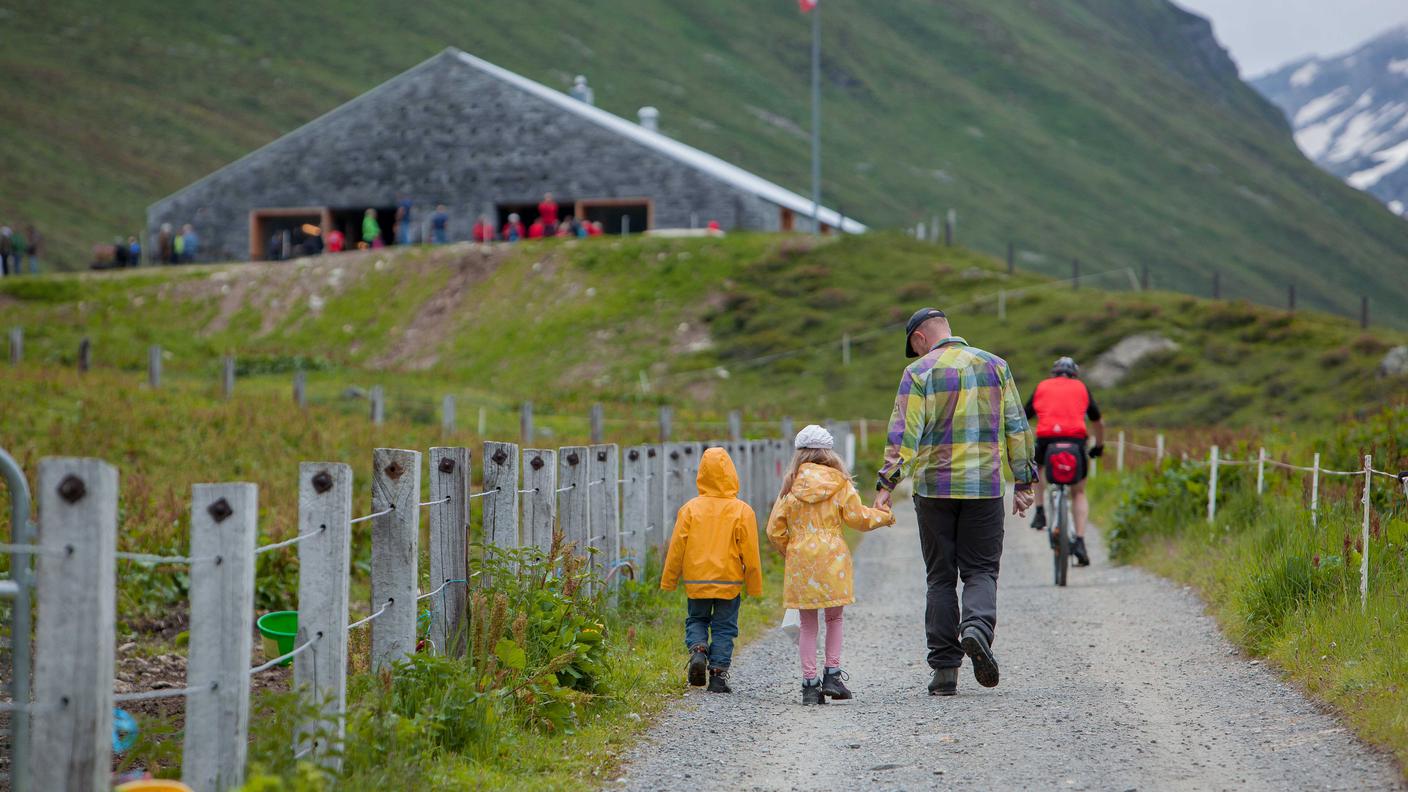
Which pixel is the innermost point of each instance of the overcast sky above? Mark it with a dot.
(1264, 34)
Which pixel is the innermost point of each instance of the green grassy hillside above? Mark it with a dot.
(753, 322)
(1110, 130)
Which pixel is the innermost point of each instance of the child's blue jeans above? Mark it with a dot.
(713, 623)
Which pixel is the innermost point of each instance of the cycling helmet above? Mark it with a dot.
(1065, 367)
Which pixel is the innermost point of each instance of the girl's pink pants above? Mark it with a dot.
(806, 642)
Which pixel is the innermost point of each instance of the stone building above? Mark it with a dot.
(459, 131)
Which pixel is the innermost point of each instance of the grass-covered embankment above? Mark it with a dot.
(1280, 588)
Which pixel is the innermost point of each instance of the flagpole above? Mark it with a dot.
(816, 118)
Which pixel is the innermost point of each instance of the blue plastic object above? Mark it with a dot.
(124, 730)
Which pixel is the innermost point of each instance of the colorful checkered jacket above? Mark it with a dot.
(958, 421)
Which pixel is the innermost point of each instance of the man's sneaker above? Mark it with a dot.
(698, 665)
(944, 682)
(811, 694)
(975, 645)
(1078, 550)
(718, 681)
(1039, 519)
(833, 684)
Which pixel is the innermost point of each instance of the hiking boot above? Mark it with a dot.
(1078, 550)
(975, 645)
(698, 665)
(811, 694)
(833, 684)
(718, 681)
(944, 682)
(1039, 519)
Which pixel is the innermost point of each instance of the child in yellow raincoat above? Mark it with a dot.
(817, 498)
(714, 548)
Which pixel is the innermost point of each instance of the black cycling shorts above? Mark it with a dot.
(1042, 443)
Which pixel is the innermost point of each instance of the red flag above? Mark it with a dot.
(807, 5)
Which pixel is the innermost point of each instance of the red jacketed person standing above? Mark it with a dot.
(547, 212)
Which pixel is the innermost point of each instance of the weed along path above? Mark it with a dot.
(1118, 682)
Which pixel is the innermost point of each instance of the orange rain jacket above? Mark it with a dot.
(715, 544)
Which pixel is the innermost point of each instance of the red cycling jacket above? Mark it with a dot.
(1061, 406)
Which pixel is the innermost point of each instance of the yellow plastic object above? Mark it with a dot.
(153, 785)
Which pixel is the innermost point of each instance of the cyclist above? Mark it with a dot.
(1061, 406)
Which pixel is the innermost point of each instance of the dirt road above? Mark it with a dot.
(1118, 682)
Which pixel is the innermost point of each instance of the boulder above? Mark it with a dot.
(1395, 363)
(1115, 364)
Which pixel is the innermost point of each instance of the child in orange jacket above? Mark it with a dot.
(714, 548)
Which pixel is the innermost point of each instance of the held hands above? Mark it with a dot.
(1022, 499)
(882, 500)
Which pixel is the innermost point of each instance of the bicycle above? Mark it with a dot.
(1064, 468)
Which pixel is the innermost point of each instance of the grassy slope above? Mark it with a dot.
(1088, 128)
(566, 324)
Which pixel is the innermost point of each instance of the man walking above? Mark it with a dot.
(957, 420)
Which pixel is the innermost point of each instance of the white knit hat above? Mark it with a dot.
(813, 436)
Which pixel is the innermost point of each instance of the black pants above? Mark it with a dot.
(959, 537)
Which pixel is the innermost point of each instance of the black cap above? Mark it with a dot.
(920, 317)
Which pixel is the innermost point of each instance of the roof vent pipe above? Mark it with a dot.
(649, 118)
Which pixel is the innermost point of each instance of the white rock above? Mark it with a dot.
(1113, 366)
(1395, 363)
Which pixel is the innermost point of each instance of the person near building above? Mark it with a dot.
(371, 230)
(440, 225)
(190, 243)
(513, 229)
(35, 241)
(547, 212)
(483, 231)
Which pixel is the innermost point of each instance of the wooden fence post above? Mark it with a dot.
(1260, 471)
(1364, 536)
(635, 500)
(572, 481)
(154, 366)
(604, 506)
(224, 525)
(227, 376)
(667, 417)
(324, 567)
(540, 500)
(1119, 453)
(656, 478)
(377, 397)
(1364, 312)
(596, 421)
(395, 551)
(864, 435)
(71, 738)
(1159, 450)
(449, 536)
(525, 423)
(85, 354)
(300, 388)
(501, 508)
(1212, 485)
(447, 418)
(16, 345)
(1315, 493)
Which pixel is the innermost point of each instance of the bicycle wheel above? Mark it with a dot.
(1062, 534)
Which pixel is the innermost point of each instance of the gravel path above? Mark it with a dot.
(1129, 687)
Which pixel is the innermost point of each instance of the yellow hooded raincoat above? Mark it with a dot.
(806, 528)
(715, 544)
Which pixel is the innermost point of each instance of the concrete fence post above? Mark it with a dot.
(377, 396)
(85, 354)
(572, 481)
(1159, 450)
(788, 434)
(324, 567)
(635, 500)
(500, 521)
(224, 526)
(667, 417)
(154, 366)
(540, 499)
(1315, 493)
(676, 470)
(864, 435)
(447, 416)
(1212, 484)
(597, 418)
(16, 345)
(1364, 535)
(300, 388)
(525, 423)
(71, 738)
(735, 425)
(1119, 453)
(449, 473)
(1260, 471)
(604, 506)
(655, 466)
(395, 551)
(227, 376)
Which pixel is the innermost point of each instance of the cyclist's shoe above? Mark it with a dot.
(975, 645)
(698, 665)
(1078, 550)
(944, 682)
(833, 684)
(811, 694)
(718, 681)
(1039, 519)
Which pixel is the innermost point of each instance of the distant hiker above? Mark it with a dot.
(371, 230)
(536, 230)
(7, 249)
(817, 498)
(713, 228)
(1061, 406)
(547, 212)
(402, 223)
(483, 230)
(119, 253)
(513, 229)
(440, 225)
(275, 251)
(336, 240)
(178, 248)
(595, 228)
(35, 242)
(714, 548)
(164, 249)
(190, 243)
(581, 91)
(957, 419)
(17, 251)
(134, 252)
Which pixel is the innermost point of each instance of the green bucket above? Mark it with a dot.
(279, 629)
